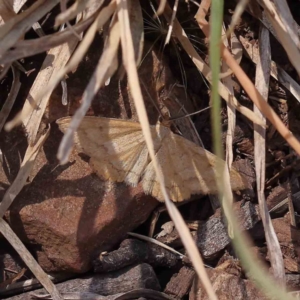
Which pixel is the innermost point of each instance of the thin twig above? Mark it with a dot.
(156, 242)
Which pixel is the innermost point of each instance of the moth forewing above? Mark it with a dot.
(119, 153)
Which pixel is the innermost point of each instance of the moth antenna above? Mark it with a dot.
(153, 102)
(191, 114)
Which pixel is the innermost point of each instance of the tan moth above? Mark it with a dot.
(119, 153)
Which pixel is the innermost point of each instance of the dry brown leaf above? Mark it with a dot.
(119, 153)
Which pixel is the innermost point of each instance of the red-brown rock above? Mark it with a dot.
(226, 286)
(67, 214)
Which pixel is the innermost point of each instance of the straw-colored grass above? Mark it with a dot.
(116, 16)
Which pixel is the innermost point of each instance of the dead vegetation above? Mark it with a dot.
(152, 63)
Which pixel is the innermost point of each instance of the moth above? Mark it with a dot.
(118, 152)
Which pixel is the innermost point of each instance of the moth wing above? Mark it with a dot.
(118, 152)
(187, 169)
(207, 160)
(117, 147)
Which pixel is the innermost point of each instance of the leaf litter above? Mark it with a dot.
(108, 64)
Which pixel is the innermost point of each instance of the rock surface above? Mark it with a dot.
(289, 240)
(180, 283)
(133, 251)
(211, 236)
(12, 267)
(67, 214)
(138, 277)
(226, 287)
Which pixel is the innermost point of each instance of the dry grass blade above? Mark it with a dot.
(170, 29)
(133, 294)
(55, 59)
(20, 286)
(27, 48)
(11, 31)
(101, 19)
(161, 7)
(7, 106)
(13, 279)
(17, 4)
(70, 296)
(281, 32)
(263, 71)
(29, 260)
(230, 112)
(156, 242)
(63, 8)
(254, 95)
(32, 117)
(23, 173)
(203, 8)
(6, 11)
(291, 204)
(3, 70)
(130, 66)
(137, 28)
(103, 16)
(237, 52)
(205, 70)
(287, 19)
(106, 67)
(71, 12)
(286, 80)
(236, 48)
(276, 71)
(236, 15)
